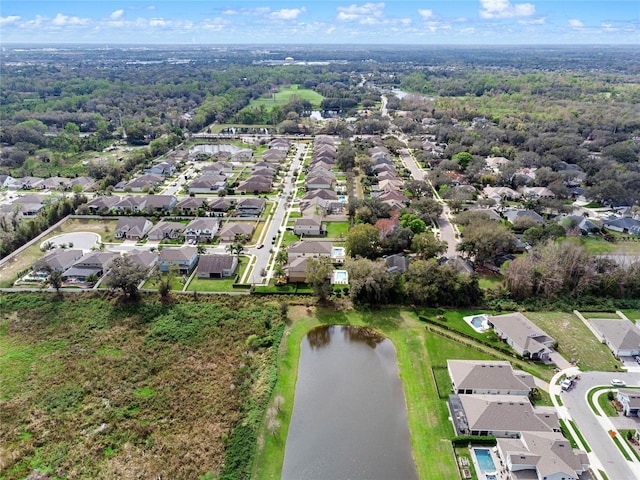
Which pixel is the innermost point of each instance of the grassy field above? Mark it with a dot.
(610, 315)
(599, 246)
(20, 262)
(632, 314)
(336, 229)
(91, 388)
(575, 340)
(283, 96)
(416, 350)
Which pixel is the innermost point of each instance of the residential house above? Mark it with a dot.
(59, 259)
(166, 230)
(315, 182)
(25, 206)
(254, 186)
(218, 168)
(296, 270)
(103, 203)
(275, 156)
(309, 249)
(621, 336)
(131, 203)
(202, 229)
(521, 334)
(514, 215)
(186, 258)
(208, 184)
(630, 401)
(323, 164)
(232, 230)
(577, 221)
(384, 167)
(217, 266)
(542, 456)
(159, 203)
(132, 228)
(623, 225)
(87, 183)
(166, 168)
(6, 180)
(308, 226)
(537, 192)
(220, 205)
(488, 377)
(56, 183)
(144, 182)
(250, 207)
(93, 263)
(394, 184)
(502, 416)
(144, 258)
(31, 183)
(280, 143)
(500, 193)
(244, 155)
(323, 193)
(397, 263)
(191, 205)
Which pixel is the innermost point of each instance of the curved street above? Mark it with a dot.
(595, 429)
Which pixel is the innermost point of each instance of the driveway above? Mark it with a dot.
(594, 428)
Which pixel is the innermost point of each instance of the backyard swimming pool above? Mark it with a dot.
(485, 463)
(478, 322)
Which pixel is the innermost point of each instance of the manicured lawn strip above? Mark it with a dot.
(611, 315)
(632, 447)
(427, 414)
(567, 433)
(616, 440)
(590, 398)
(336, 229)
(603, 475)
(586, 446)
(295, 215)
(575, 340)
(176, 283)
(605, 405)
(537, 369)
(463, 452)
(632, 314)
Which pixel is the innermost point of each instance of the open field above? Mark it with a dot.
(599, 246)
(575, 340)
(283, 96)
(95, 389)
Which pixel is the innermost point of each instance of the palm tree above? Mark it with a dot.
(281, 257)
(235, 248)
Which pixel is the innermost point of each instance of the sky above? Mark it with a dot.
(448, 22)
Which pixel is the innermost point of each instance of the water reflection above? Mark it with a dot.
(321, 336)
(349, 416)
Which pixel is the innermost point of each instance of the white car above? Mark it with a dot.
(618, 383)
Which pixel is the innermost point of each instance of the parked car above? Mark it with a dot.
(566, 384)
(260, 246)
(618, 383)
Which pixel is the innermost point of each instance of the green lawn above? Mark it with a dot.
(575, 340)
(337, 229)
(599, 246)
(606, 406)
(427, 413)
(611, 315)
(283, 96)
(632, 314)
(218, 285)
(490, 281)
(176, 283)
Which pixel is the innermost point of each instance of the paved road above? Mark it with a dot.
(594, 429)
(272, 228)
(448, 231)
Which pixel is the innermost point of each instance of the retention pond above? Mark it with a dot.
(349, 417)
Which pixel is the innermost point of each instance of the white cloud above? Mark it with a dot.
(425, 14)
(258, 11)
(62, 20)
(534, 21)
(117, 14)
(505, 9)
(575, 23)
(9, 19)
(367, 13)
(159, 22)
(287, 13)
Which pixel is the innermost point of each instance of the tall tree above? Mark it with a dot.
(370, 282)
(484, 240)
(319, 277)
(363, 240)
(126, 275)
